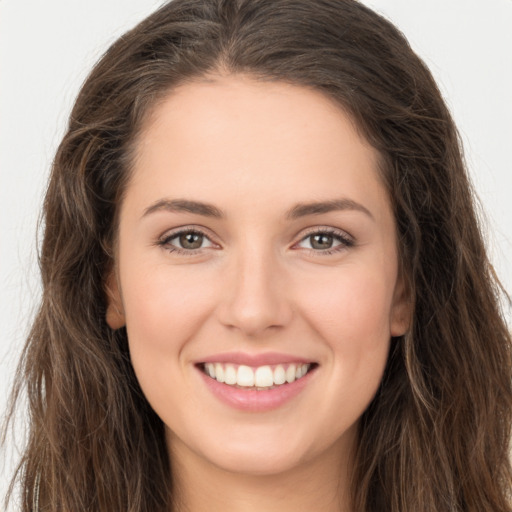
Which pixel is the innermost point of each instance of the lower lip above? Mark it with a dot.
(252, 400)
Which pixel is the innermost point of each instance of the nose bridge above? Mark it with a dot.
(256, 297)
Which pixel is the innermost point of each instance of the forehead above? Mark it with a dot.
(271, 138)
(217, 102)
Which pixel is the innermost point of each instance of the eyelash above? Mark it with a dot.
(340, 236)
(166, 239)
(345, 241)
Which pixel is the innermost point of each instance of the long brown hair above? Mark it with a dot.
(436, 436)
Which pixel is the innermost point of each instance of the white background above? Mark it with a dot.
(48, 47)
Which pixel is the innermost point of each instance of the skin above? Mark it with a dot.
(258, 284)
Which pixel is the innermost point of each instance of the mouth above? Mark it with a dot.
(260, 378)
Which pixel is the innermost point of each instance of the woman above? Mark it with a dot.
(264, 285)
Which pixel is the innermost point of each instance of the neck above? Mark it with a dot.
(321, 484)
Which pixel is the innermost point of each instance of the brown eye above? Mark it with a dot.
(326, 241)
(321, 241)
(191, 240)
(186, 242)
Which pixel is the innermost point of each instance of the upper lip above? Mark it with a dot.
(254, 360)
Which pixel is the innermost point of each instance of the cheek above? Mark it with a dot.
(355, 302)
(163, 311)
(351, 313)
(353, 321)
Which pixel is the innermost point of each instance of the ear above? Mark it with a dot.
(115, 312)
(401, 310)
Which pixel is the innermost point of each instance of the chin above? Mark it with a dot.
(253, 451)
(256, 462)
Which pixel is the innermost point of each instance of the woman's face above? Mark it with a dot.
(256, 241)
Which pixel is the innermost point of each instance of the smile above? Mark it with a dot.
(256, 382)
(261, 378)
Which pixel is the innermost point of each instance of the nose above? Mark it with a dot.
(255, 297)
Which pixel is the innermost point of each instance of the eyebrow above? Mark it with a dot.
(298, 211)
(317, 208)
(184, 205)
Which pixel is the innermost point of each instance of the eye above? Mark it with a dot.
(186, 241)
(326, 241)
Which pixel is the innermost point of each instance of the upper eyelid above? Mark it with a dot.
(173, 233)
(206, 231)
(326, 229)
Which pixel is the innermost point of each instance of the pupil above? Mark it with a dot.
(322, 241)
(191, 241)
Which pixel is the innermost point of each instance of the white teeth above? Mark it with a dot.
(230, 374)
(290, 373)
(245, 376)
(219, 372)
(279, 375)
(210, 369)
(261, 377)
